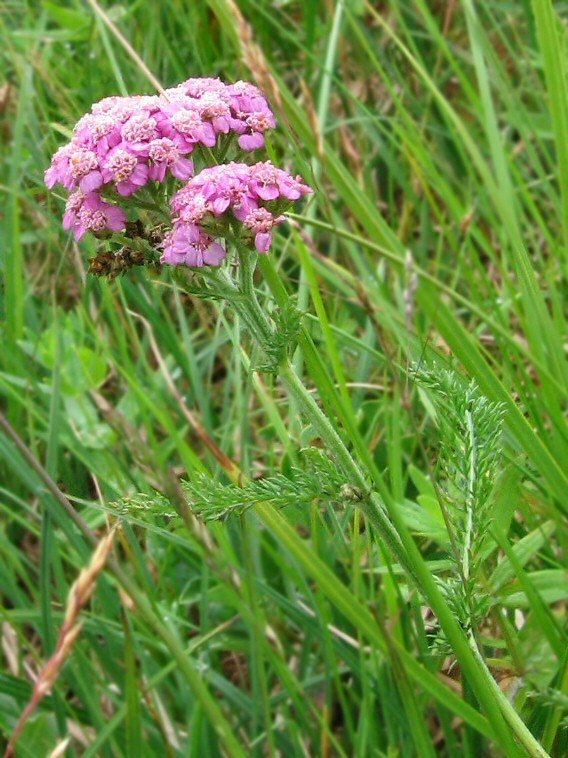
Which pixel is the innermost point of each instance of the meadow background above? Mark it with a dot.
(435, 135)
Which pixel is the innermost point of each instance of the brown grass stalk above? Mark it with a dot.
(79, 594)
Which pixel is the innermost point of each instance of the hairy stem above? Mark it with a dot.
(518, 726)
(387, 520)
(254, 313)
(369, 503)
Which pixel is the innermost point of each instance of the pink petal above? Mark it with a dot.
(140, 175)
(262, 241)
(182, 169)
(116, 220)
(251, 141)
(92, 181)
(157, 172)
(220, 205)
(126, 187)
(214, 254)
(238, 126)
(207, 135)
(242, 210)
(267, 192)
(191, 232)
(221, 124)
(193, 257)
(50, 177)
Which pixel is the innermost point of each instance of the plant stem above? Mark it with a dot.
(470, 499)
(254, 312)
(518, 726)
(369, 503)
(384, 514)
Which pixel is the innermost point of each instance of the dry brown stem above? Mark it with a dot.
(78, 596)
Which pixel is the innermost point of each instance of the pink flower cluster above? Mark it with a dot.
(124, 142)
(89, 212)
(248, 192)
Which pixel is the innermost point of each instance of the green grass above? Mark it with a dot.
(435, 137)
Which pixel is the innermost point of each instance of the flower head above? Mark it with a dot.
(245, 192)
(183, 119)
(124, 142)
(98, 132)
(188, 245)
(237, 187)
(252, 114)
(88, 212)
(270, 182)
(165, 153)
(261, 221)
(126, 170)
(141, 127)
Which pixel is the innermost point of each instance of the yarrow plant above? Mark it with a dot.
(127, 149)
(169, 177)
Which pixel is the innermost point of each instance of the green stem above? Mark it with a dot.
(250, 304)
(518, 726)
(369, 503)
(400, 543)
(250, 310)
(385, 516)
(470, 500)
